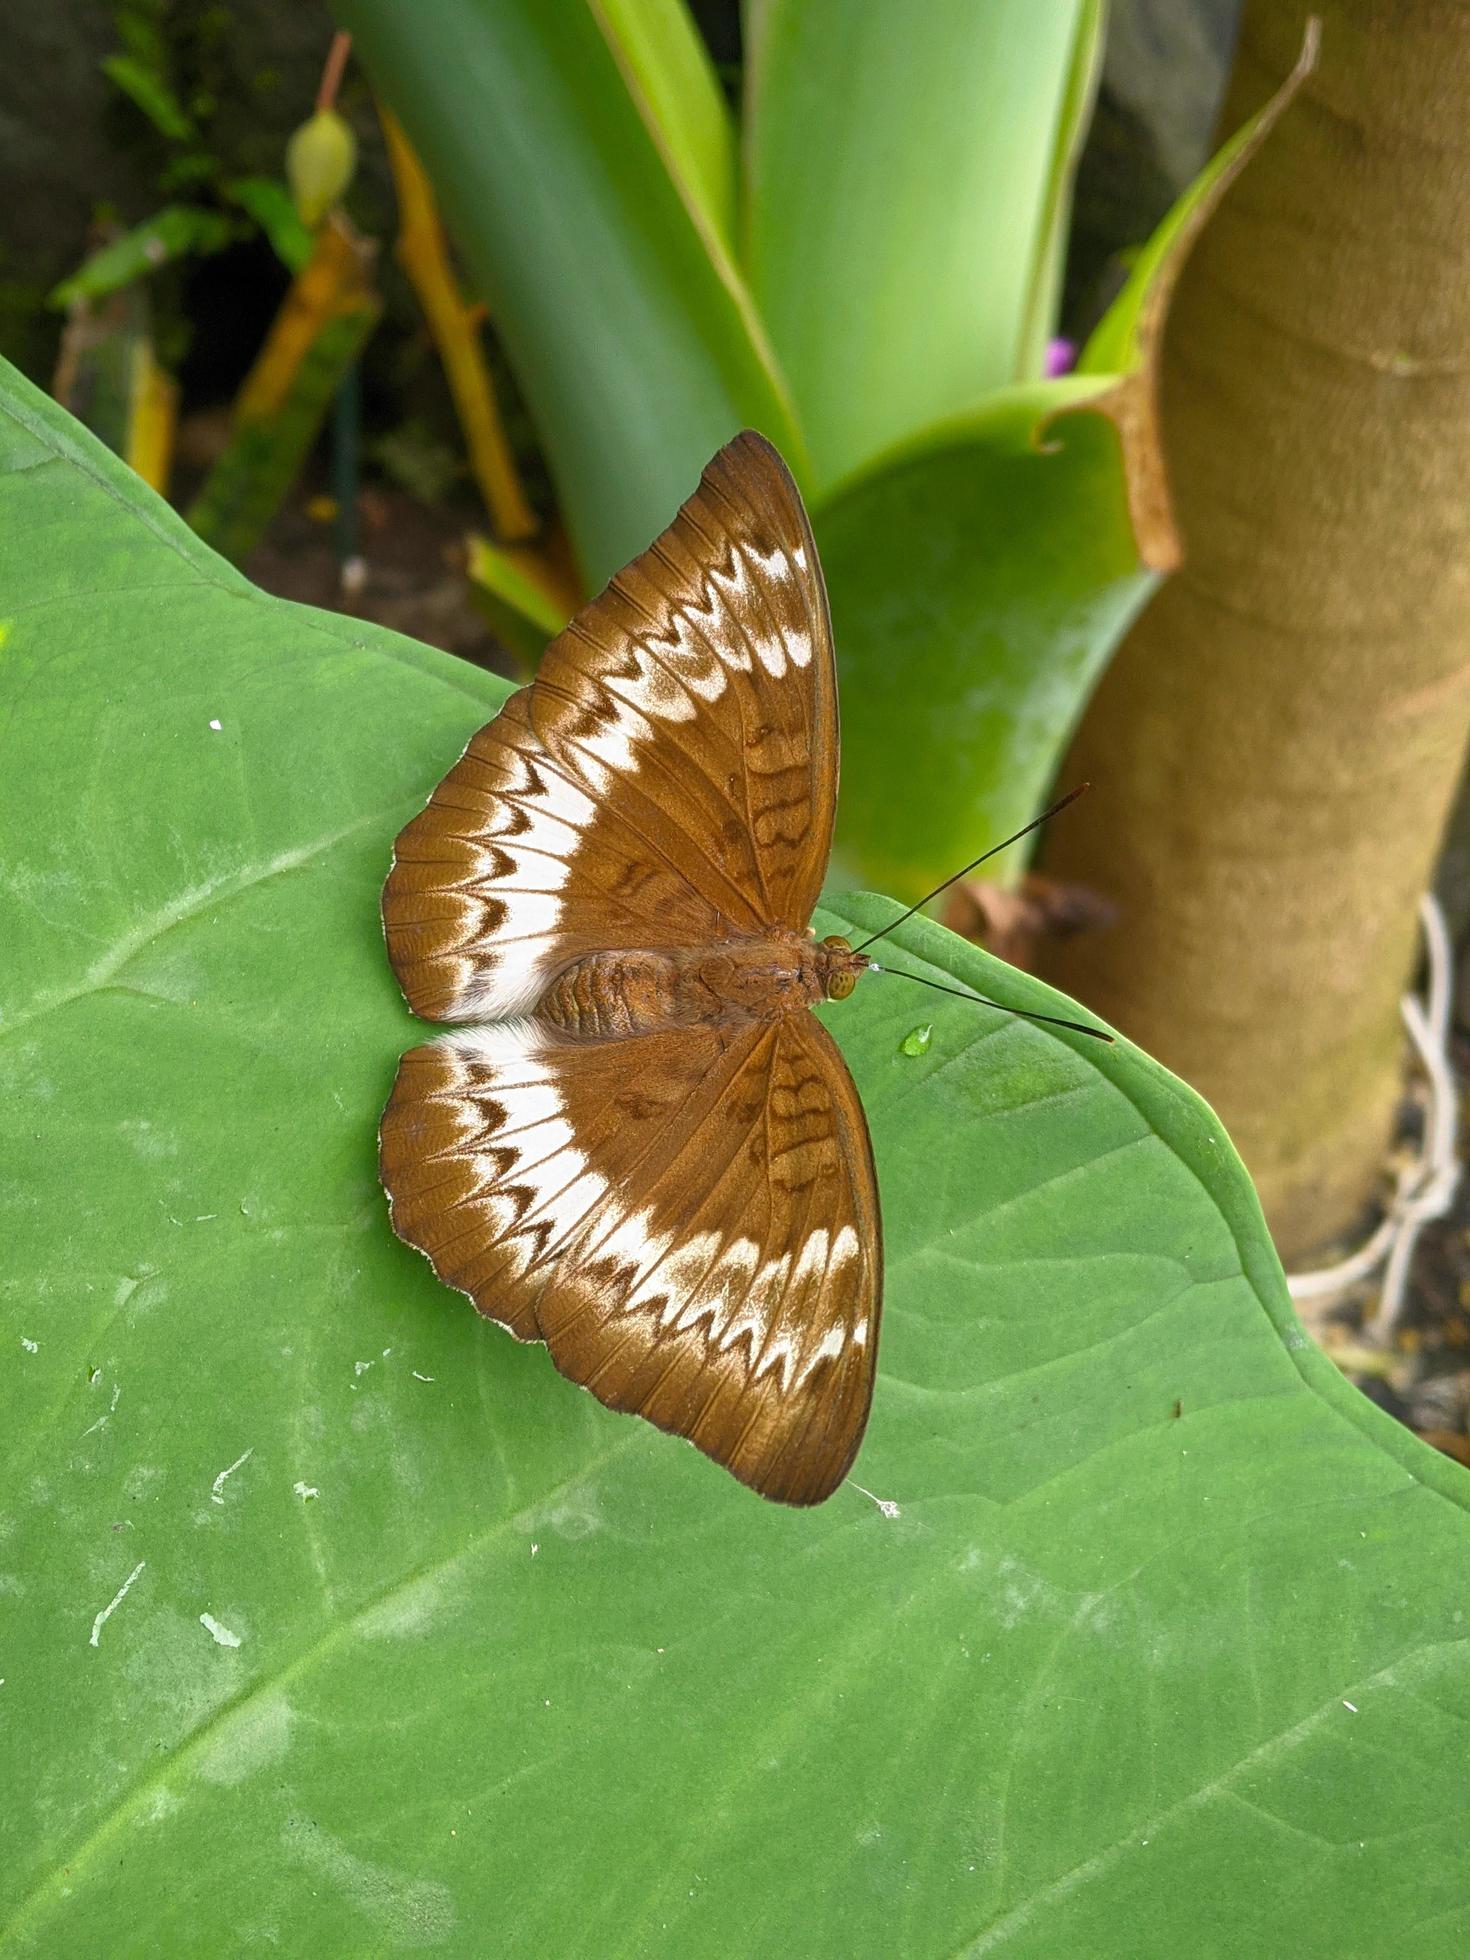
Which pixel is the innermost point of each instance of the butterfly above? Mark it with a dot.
(638, 1145)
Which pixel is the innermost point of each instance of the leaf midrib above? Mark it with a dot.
(1103, 1861)
(187, 1752)
(182, 912)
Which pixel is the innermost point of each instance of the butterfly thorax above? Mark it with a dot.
(749, 977)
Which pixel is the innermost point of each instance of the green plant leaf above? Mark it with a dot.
(669, 74)
(333, 1621)
(627, 323)
(1039, 322)
(173, 233)
(268, 201)
(148, 88)
(892, 307)
(982, 572)
(978, 578)
(524, 615)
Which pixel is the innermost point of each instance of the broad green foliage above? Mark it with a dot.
(606, 271)
(977, 580)
(890, 282)
(668, 74)
(331, 1621)
(895, 266)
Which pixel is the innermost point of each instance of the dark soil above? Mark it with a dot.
(412, 560)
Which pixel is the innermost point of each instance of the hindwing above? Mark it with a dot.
(688, 1220)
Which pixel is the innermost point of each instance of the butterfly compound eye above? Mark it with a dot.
(838, 983)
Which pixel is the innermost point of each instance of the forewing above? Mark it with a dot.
(689, 1221)
(669, 777)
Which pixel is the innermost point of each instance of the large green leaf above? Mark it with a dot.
(1072, 123)
(587, 216)
(333, 1622)
(667, 69)
(978, 578)
(903, 188)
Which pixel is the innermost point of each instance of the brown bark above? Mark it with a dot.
(1276, 746)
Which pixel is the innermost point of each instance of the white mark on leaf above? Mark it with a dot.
(885, 1504)
(146, 1139)
(220, 1635)
(117, 1599)
(141, 1478)
(128, 1285)
(216, 1489)
(107, 1413)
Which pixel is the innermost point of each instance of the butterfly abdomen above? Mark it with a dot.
(612, 994)
(608, 995)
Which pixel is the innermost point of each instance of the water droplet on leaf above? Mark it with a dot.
(916, 1041)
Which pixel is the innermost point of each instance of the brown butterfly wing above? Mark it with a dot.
(668, 779)
(689, 1220)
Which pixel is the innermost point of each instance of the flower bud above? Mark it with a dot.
(320, 159)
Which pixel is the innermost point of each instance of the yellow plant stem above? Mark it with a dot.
(310, 348)
(423, 253)
(153, 420)
(335, 282)
(527, 596)
(108, 375)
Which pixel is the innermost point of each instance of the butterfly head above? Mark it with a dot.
(839, 967)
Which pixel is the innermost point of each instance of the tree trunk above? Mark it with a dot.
(1277, 743)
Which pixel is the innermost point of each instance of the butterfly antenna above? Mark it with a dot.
(1052, 1020)
(964, 872)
